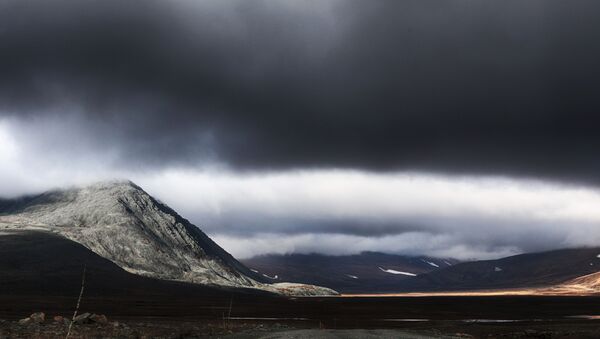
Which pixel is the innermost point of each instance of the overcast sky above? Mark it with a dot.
(464, 128)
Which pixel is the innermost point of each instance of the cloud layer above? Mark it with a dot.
(338, 211)
(463, 128)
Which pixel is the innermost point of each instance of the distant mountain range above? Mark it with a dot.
(372, 272)
(368, 271)
(525, 270)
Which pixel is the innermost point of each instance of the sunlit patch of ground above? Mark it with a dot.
(587, 285)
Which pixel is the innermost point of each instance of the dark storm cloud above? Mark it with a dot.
(500, 87)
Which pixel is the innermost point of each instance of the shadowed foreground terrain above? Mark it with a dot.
(42, 272)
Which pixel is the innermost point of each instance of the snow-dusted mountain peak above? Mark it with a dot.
(120, 221)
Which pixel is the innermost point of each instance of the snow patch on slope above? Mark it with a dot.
(397, 272)
(430, 263)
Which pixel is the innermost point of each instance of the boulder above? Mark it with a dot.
(99, 318)
(25, 321)
(83, 318)
(38, 317)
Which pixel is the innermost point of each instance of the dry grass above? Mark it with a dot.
(78, 302)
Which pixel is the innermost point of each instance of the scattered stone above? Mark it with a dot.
(25, 321)
(83, 318)
(38, 317)
(99, 318)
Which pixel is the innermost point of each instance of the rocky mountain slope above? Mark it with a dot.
(42, 271)
(367, 272)
(120, 222)
(43, 263)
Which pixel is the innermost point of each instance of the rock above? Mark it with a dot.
(99, 318)
(38, 317)
(83, 318)
(25, 321)
(59, 319)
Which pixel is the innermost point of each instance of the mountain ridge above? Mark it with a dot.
(121, 222)
(569, 271)
(368, 271)
(527, 270)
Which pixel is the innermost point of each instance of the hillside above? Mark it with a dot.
(121, 222)
(526, 270)
(366, 272)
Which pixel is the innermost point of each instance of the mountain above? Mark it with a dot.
(367, 272)
(525, 270)
(566, 271)
(43, 271)
(121, 222)
(53, 266)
